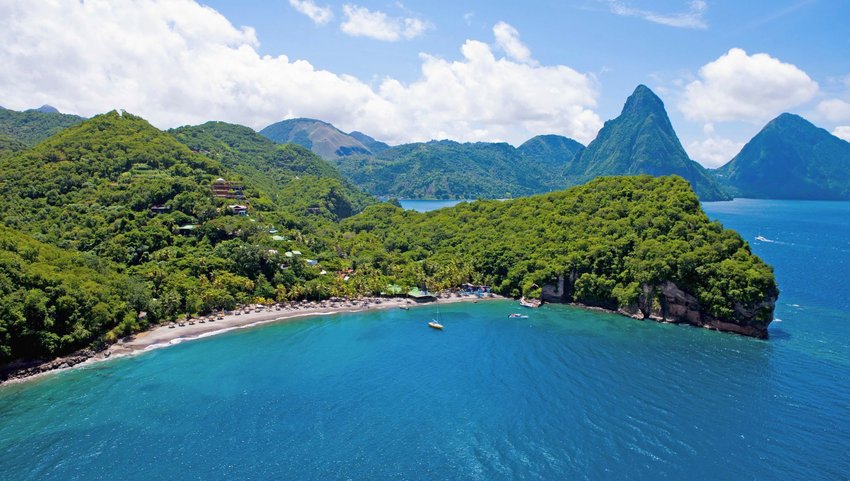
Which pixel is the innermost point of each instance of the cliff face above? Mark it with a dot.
(677, 306)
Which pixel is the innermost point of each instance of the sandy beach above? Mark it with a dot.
(173, 333)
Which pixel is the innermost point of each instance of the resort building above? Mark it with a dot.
(227, 190)
(238, 209)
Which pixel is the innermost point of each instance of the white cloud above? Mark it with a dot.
(843, 132)
(482, 97)
(713, 151)
(834, 110)
(507, 38)
(176, 62)
(319, 15)
(362, 22)
(691, 18)
(738, 86)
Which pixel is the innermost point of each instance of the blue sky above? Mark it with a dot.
(417, 70)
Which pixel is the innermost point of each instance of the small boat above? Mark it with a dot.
(405, 308)
(518, 316)
(762, 238)
(435, 325)
(529, 302)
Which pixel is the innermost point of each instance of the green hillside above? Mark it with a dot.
(294, 178)
(54, 301)
(117, 188)
(554, 151)
(31, 126)
(790, 159)
(113, 217)
(451, 170)
(641, 141)
(620, 243)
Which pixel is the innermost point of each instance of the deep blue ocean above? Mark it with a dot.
(565, 394)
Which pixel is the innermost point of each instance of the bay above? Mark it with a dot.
(564, 394)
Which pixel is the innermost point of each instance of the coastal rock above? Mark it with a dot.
(679, 307)
(22, 369)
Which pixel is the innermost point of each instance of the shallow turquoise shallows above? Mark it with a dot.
(565, 394)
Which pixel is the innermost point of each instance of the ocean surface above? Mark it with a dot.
(427, 205)
(566, 394)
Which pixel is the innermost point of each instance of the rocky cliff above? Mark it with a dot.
(669, 303)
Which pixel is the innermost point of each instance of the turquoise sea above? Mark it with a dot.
(428, 205)
(566, 394)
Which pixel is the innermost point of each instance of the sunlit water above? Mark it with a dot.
(428, 205)
(564, 394)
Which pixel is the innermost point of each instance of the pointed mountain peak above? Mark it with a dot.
(641, 141)
(642, 101)
(791, 158)
(790, 120)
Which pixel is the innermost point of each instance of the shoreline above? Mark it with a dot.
(163, 335)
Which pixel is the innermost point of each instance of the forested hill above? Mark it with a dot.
(640, 244)
(295, 179)
(117, 195)
(54, 301)
(142, 230)
(450, 170)
(790, 159)
(325, 140)
(19, 130)
(641, 141)
(554, 151)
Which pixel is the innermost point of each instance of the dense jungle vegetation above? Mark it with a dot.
(112, 218)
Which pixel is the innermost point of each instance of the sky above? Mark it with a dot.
(415, 70)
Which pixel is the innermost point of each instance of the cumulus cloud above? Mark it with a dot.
(843, 132)
(713, 151)
(507, 39)
(738, 86)
(319, 15)
(692, 17)
(482, 97)
(362, 22)
(834, 110)
(177, 62)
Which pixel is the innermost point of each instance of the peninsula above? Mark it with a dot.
(112, 226)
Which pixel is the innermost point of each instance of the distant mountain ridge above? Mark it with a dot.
(325, 140)
(790, 158)
(19, 130)
(447, 169)
(376, 146)
(641, 140)
(551, 150)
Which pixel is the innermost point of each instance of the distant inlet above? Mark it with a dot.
(428, 205)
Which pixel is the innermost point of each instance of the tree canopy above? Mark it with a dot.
(113, 217)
